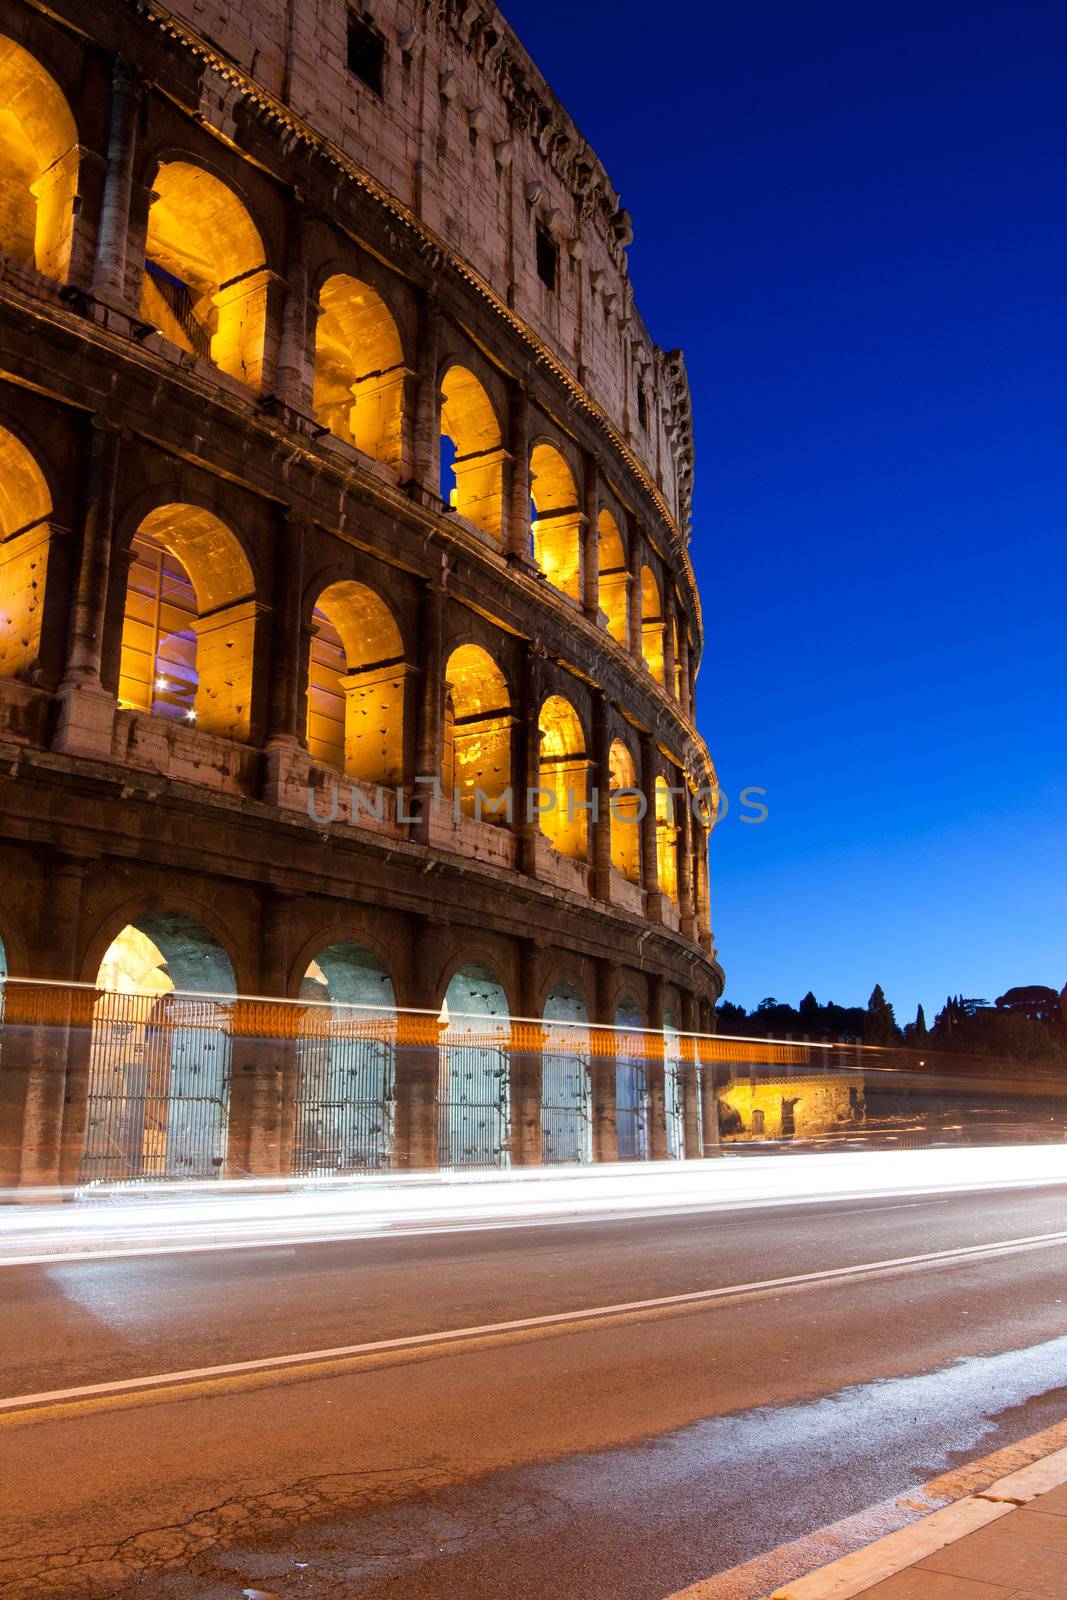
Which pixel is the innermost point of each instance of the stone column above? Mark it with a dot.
(56, 1096)
(86, 709)
(709, 1090)
(683, 665)
(590, 538)
(112, 243)
(518, 512)
(670, 682)
(686, 906)
(431, 706)
(691, 1089)
(526, 1060)
(604, 1066)
(649, 855)
(601, 782)
(657, 1095)
(417, 1057)
(295, 378)
(286, 720)
(526, 757)
(424, 450)
(635, 547)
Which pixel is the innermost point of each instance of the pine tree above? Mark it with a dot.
(920, 1023)
(880, 1025)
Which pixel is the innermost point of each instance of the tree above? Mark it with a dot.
(811, 1016)
(920, 1024)
(880, 1025)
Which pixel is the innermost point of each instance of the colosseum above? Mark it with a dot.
(349, 626)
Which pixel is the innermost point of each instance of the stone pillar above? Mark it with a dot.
(518, 512)
(526, 757)
(604, 1067)
(417, 1057)
(424, 451)
(289, 639)
(112, 243)
(431, 705)
(635, 547)
(657, 1095)
(691, 1090)
(686, 907)
(683, 667)
(590, 538)
(527, 1060)
(649, 856)
(670, 682)
(56, 1097)
(601, 784)
(86, 709)
(295, 378)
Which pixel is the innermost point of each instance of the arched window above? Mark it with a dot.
(159, 1058)
(614, 587)
(477, 744)
(472, 461)
(25, 539)
(631, 1082)
(474, 1080)
(564, 772)
(38, 165)
(346, 1066)
(189, 624)
(356, 686)
(359, 369)
(666, 840)
(205, 281)
(651, 624)
(625, 813)
(557, 523)
(566, 1092)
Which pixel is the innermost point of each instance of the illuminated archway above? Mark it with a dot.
(38, 165)
(189, 623)
(614, 582)
(556, 527)
(472, 457)
(205, 280)
(346, 1064)
(355, 714)
(651, 624)
(666, 840)
(25, 540)
(474, 1083)
(631, 1082)
(564, 772)
(477, 743)
(359, 369)
(566, 1091)
(625, 813)
(159, 1059)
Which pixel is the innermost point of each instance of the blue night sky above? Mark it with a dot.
(850, 214)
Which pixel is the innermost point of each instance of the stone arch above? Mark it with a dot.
(205, 280)
(474, 1078)
(666, 839)
(566, 1082)
(472, 455)
(356, 678)
(651, 624)
(188, 626)
(563, 771)
(631, 1081)
(39, 156)
(477, 742)
(626, 807)
(25, 542)
(346, 1063)
(557, 521)
(160, 1054)
(614, 578)
(359, 369)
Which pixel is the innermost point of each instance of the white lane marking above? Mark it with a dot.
(555, 1319)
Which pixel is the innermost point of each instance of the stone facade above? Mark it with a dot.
(285, 360)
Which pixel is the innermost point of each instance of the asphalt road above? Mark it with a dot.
(625, 1456)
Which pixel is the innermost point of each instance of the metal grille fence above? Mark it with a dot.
(474, 1096)
(346, 1076)
(566, 1097)
(159, 1087)
(631, 1098)
(674, 1103)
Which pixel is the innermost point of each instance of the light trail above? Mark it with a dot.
(158, 1219)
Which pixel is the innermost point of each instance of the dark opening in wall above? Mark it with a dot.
(642, 406)
(547, 257)
(366, 51)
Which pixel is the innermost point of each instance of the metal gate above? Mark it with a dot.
(474, 1095)
(159, 1088)
(346, 1075)
(673, 1094)
(566, 1097)
(631, 1098)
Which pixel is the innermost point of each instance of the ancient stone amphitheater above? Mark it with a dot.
(348, 629)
